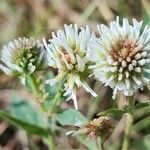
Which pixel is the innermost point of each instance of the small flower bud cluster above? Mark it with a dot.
(101, 126)
(21, 57)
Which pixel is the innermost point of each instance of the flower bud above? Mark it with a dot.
(22, 57)
(101, 126)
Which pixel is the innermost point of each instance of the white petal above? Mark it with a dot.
(74, 99)
(88, 89)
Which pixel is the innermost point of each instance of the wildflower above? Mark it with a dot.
(122, 56)
(67, 52)
(98, 127)
(22, 57)
(101, 126)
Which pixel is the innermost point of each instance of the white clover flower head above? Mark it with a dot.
(67, 52)
(122, 56)
(22, 57)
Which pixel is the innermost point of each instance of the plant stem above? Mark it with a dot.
(102, 145)
(131, 103)
(34, 86)
(50, 142)
(56, 101)
(38, 93)
(129, 122)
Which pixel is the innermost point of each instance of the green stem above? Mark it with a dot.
(50, 142)
(38, 93)
(56, 102)
(35, 86)
(131, 103)
(94, 102)
(44, 109)
(129, 122)
(102, 145)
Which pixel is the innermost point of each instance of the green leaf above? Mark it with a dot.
(140, 105)
(71, 117)
(50, 89)
(24, 114)
(112, 111)
(140, 112)
(30, 128)
(143, 123)
(25, 110)
(55, 94)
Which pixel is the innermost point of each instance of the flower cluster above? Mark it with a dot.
(67, 51)
(119, 57)
(122, 56)
(22, 57)
(101, 126)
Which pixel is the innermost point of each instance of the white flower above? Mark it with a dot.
(22, 57)
(122, 56)
(67, 52)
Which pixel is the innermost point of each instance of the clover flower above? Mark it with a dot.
(22, 57)
(122, 56)
(67, 52)
(101, 126)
